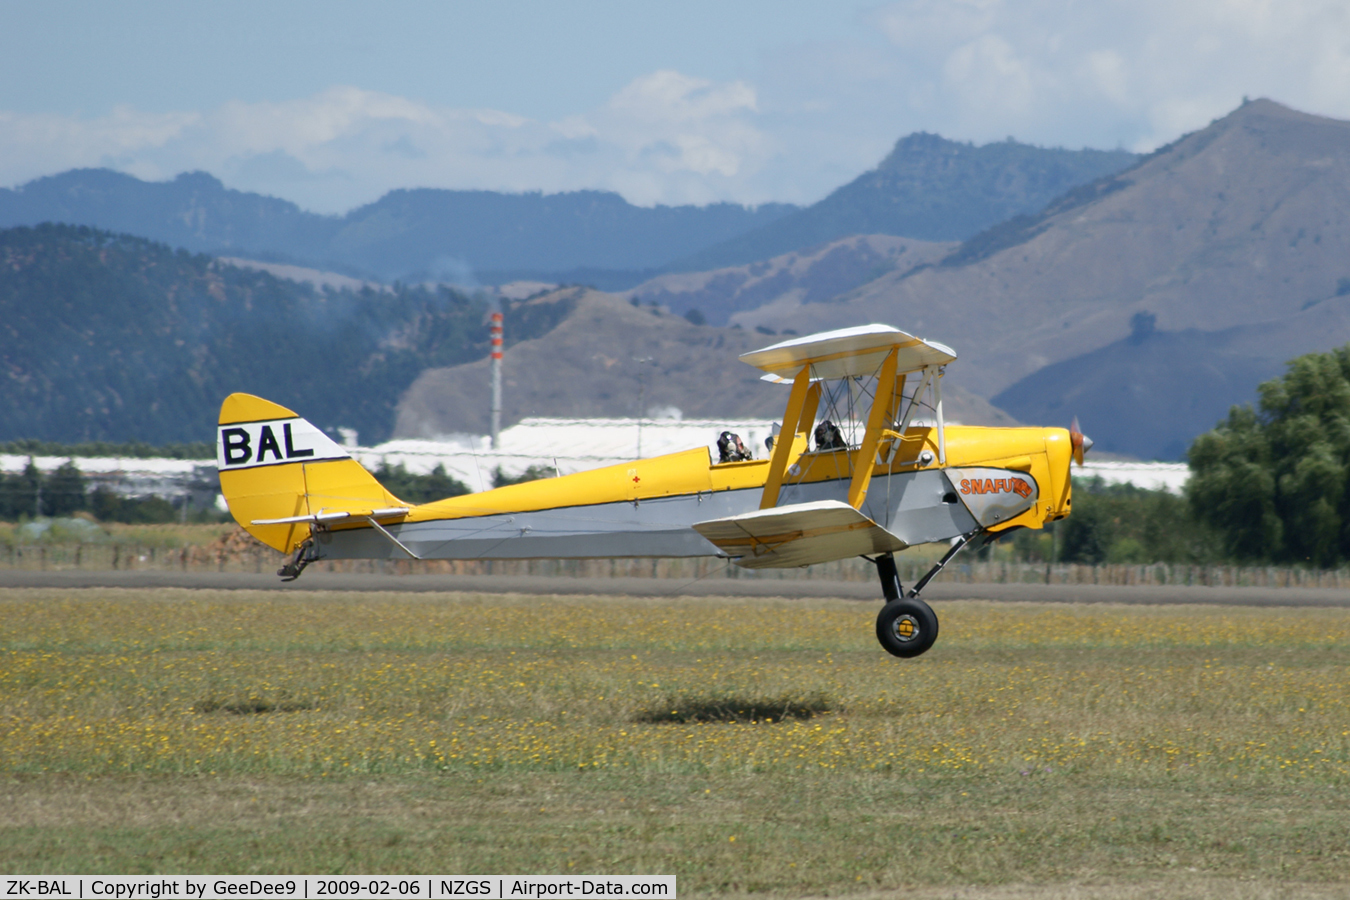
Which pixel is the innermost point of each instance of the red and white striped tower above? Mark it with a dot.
(496, 332)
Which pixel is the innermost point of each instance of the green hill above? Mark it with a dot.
(106, 337)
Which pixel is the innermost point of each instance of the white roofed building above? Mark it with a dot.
(561, 445)
(1153, 476)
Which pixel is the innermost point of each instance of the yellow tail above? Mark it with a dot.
(275, 465)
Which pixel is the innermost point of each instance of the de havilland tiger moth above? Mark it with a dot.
(862, 465)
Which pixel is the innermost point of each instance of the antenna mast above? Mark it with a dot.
(496, 332)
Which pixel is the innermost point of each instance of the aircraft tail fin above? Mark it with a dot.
(281, 475)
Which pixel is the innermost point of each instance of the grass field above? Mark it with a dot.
(747, 746)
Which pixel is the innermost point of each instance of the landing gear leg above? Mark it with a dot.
(891, 588)
(907, 626)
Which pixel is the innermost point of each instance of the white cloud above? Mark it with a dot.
(991, 76)
(668, 96)
(1137, 72)
(664, 138)
(681, 125)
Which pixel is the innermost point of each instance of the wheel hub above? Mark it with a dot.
(905, 628)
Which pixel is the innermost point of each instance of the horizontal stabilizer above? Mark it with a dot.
(798, 535)
(392, 512)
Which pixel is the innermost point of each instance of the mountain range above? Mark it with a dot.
(1245, 223)
(409, 235)
(1146, 299)
(927, 188)
(1146, 302)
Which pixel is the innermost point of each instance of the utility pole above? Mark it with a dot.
(37, 488)
(642, 396)
(496, 332)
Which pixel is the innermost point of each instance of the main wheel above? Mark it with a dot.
(907, 627)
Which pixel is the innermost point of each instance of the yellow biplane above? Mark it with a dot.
(862, 465)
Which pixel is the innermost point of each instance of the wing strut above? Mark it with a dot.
(876, 423)
(786, 445)
(937, 409)
(956, 548)
(387, 533)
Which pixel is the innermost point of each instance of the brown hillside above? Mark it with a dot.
(763, 293)
(1243, 222)
(589, 366)
(1148, 395)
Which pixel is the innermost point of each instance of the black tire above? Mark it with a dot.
(907, 627)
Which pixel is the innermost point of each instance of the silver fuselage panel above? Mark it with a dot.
(918, 507)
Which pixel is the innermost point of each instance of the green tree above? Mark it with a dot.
(411, 488)
(1087, 534)
(532, 473)
(109, 507)
(1273, 482)
(63, 492)
(24, 492)
(19, 493)
(1121, 523)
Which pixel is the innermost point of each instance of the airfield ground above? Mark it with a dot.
(750, 745)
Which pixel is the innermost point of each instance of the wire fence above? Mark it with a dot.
(255, 557)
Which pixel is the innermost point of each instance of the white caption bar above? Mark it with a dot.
(351, 887)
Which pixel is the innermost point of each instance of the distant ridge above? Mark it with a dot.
(928, 188)
(409, 235)
(767, 291)
(193, 211)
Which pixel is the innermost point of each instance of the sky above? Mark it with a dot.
(332, 104)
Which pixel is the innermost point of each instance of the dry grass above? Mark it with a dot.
(747, 746)
(159, 536)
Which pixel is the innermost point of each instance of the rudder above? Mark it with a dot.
(275, 465)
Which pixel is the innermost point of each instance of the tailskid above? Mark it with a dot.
(305, 554)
